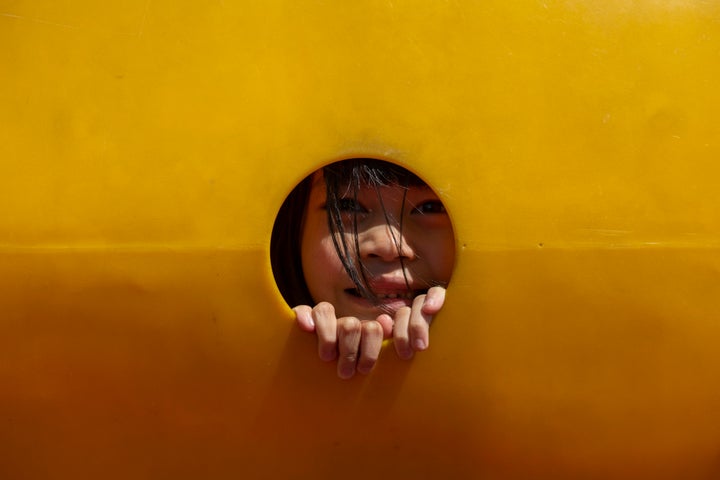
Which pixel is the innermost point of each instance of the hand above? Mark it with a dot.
(356, 344)
(411, 332)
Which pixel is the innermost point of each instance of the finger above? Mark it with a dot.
(370, 344)
(419, 326)
(326, 329)
(348, 331)
(303, 317)
(401, 340)
(434, 300)
(386, 322)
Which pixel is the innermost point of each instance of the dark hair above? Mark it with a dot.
(343, 179)
(285, 255)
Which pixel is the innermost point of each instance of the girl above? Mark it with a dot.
(371, 246)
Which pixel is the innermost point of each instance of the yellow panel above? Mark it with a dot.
(146, 146)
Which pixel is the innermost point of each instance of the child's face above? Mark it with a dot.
(427, 248)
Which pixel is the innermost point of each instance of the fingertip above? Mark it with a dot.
(420, 344)
(368, 360)
(327, 354)
(404, 352)
(401, 341)
(346, 371)
(403, 348)
(365, 369)
(434, 300)
(307, 325)
(419, 334)
(303, 317)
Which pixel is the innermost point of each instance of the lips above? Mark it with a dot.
(386, 299)
(403, 294)
(389, 293)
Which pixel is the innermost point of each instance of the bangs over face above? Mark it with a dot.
(369, 172)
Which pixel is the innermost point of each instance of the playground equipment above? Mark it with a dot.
(147, 145)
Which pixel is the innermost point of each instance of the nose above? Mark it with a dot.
(385, 242)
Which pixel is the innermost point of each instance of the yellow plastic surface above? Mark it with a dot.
(146, 146)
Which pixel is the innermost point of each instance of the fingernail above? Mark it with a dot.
(347, 371)
(420, 344)
(327, 355)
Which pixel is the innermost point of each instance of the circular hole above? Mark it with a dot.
(365, 235)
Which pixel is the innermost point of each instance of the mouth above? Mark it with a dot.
(384, 296)
(384, 301)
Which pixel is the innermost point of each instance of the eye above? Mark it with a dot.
(430, 207)
(349, 205)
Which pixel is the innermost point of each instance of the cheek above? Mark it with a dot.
(320, 255)
(449, 250)
(448, 262)
(321, 266)
(441, 256)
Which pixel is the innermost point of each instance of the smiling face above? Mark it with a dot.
(405, 241)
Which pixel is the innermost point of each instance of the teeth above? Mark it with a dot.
(386, 296)
(407, 295)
